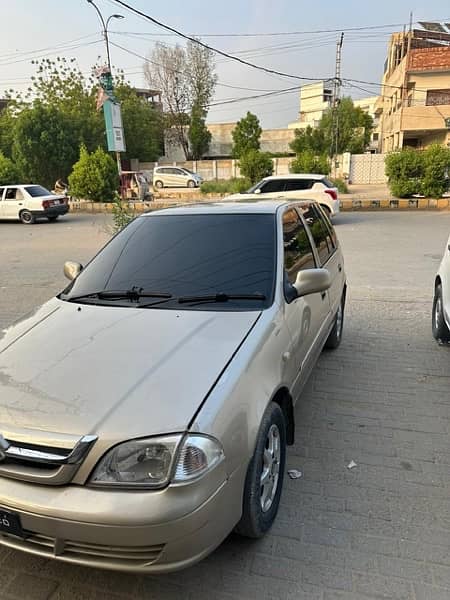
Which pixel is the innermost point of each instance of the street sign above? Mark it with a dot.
(114, 128)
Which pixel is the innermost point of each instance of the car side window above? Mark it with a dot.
(320, 232)
(273, 185)
(298, 253)
(298, 184)
(10, 194)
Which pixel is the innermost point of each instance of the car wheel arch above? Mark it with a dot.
(283, 398)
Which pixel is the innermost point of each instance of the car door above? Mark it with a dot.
(13, 201)
(178, 177)
(329, 253)
(272, 188)
(297, 188)
(305, 316)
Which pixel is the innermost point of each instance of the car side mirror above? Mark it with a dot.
(312, 281)
(257, 191)
(72, 269)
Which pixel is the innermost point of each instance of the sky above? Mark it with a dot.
(70, 28)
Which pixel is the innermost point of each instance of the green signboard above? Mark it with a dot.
(114, 128)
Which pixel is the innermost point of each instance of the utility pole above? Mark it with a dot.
(337, 83)
(108, 57)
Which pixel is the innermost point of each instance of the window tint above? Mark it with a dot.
(189, 255)
(298, 184)
(37, 190)
(273, 185)
(298, 254)
(10, 194)
(327, 183)
(320, 232)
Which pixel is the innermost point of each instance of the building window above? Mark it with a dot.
(438, 97)
(375, 137)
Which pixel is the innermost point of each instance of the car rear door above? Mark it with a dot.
(297, 187)
(329, 253)
(306, 317)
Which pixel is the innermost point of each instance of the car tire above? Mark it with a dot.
(261, 500)
(53, 219)
(191, 184)
(159, 185)
(335, 336)
(439, 327)
(27, 217)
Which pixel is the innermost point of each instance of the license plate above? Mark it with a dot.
(10, 523)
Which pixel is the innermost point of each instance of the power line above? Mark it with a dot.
(212, 48)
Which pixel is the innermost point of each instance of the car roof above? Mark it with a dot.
(247, 205)
(296, 176)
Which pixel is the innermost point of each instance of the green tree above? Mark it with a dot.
(199, 135)
(311, 139)
(255, 165)
(405, 171)
(354, 128)
(44, 147)
(142, 124)
(307, 161)
(9, 173)
(246, 135)
(94, 176)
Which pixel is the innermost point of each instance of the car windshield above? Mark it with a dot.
(37, 190)
(187, 256)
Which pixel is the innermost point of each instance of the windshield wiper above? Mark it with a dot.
(133, 294)
(221, 297)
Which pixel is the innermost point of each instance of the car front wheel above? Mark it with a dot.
(335, 337)
(264, 480)
(439, 327)
(159, 185)
(191, 183)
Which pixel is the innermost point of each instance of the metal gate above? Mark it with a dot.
(367, 168)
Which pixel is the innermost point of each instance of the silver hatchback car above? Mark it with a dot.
(145, 411)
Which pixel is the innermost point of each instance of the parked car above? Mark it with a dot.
(441, 301)
(28, 203)
(175, 177)
(145, 410)
(298, 186)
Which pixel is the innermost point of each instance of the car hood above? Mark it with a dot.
(116, 372)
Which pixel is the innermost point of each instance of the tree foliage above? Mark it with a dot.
(44, 147)
(255, 165)
(426, 172)
(307, 161)
(309, 139)
(94, 176)
(199, 134)
(9, 173)
(246, 135)
(186, 77)
(354, 128)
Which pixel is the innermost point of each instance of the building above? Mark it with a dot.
(369, 106)
(315, 99)
(415, 106)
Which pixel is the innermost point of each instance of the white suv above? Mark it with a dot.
(441, 302)
(299, 186)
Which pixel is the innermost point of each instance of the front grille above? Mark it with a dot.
(95, 554)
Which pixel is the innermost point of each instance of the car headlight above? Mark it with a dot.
(153, 462)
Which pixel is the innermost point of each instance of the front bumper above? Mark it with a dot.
(113, 532)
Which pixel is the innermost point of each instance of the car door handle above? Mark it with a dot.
(340, 268)
(20, 203)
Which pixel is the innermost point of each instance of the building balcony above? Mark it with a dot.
(419, 117)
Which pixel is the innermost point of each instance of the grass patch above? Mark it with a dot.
(225, 186)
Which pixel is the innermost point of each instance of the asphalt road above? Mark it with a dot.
(379, 530)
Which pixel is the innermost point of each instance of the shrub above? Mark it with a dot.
(255, 165)
(405, 171)
(9, 173)
(94, 176)
(341, 185)
(308, 162)
(122, 214)
(226, 186)
(437, 166)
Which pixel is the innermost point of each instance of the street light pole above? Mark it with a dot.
(108, 56)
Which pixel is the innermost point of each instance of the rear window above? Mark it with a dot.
(37, 190)
(327, 182)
